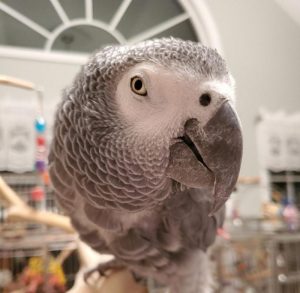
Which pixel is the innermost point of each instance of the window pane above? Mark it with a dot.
(104, 10)
(74, 8)
(42, 12)
(83, 39)
(182, 30)
(142, 15)
(14, 33)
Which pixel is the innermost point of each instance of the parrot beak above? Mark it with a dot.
(210, 156)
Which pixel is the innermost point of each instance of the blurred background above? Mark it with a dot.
(43, 44)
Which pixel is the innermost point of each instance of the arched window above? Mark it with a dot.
(85, 25)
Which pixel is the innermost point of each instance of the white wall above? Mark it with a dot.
(262, 47)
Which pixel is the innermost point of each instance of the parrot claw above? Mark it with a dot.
(102, 269)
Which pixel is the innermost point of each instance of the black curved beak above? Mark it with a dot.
(209, 157)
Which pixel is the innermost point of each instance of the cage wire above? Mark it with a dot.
(258, 261)
(242, 264)
(32, 256)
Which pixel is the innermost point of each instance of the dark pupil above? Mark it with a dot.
(138, 84)
(205, 100)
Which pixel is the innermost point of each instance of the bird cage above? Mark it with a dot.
(278, 141)
(38, 261)
(285, 263)
(32, 255)
(258, 261)
(242, 264)
(23, 151)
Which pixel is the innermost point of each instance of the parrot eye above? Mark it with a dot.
(137, 86)
(205, 100)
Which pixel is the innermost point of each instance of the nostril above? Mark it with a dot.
(205, 100)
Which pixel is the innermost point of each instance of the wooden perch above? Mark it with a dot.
(65, 253)
(18, 209)
(42, 217)
(249, 180)
(11, 81)
(9, 196)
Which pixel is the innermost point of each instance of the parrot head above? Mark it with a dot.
(143, 118)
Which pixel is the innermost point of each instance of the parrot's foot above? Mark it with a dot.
(102, 269)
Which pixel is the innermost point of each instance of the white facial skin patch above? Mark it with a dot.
(171, 99)
(225, 89)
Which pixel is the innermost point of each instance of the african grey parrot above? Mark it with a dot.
(147, 148)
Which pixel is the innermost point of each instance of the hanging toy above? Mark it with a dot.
(40, 127)
(38, 197)
(38, 194)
